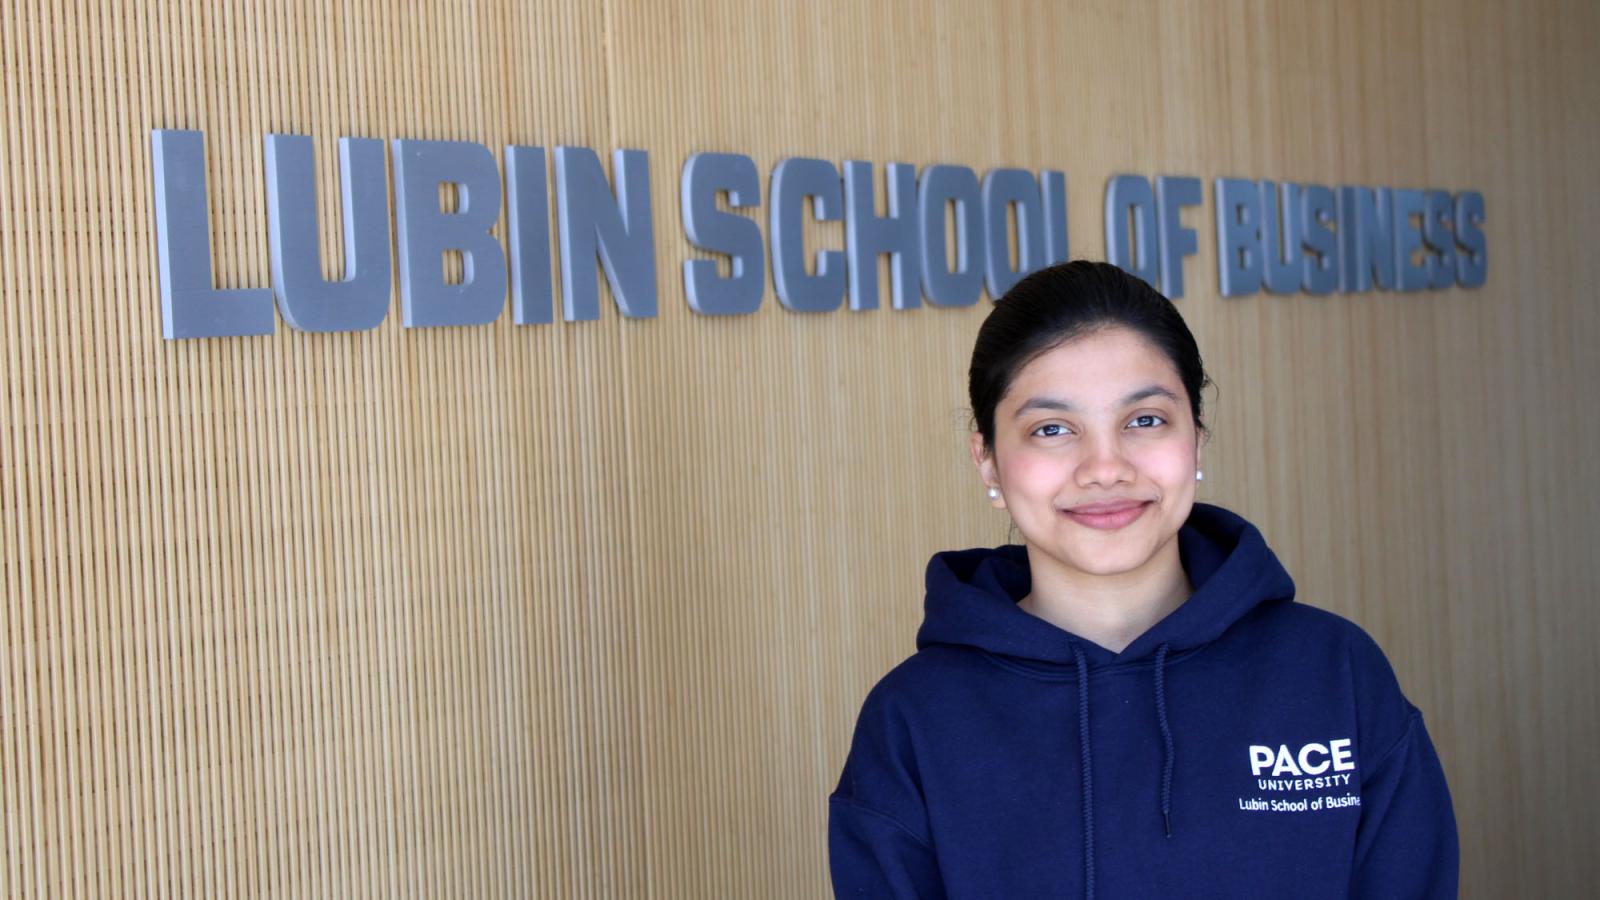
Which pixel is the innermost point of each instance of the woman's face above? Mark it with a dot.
(1095, 452)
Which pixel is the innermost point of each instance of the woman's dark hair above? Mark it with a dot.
(1057, 304)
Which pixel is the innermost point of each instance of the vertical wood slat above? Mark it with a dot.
(587, 609)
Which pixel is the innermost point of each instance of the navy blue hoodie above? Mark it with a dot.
(1245, 746)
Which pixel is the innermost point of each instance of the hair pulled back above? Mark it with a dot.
(1059, 303)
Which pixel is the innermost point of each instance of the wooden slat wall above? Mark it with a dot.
(588, 610)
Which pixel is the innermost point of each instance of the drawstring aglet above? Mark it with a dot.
(1166, 818)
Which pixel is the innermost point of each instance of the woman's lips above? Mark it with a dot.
(1109, 520)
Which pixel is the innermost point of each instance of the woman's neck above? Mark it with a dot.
(1110, 610)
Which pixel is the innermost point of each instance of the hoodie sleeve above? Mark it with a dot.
(1406, 843)
(878, 841)
(872, 855)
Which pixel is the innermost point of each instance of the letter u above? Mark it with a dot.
(308, 301)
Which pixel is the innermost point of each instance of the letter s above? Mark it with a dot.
(1472, 261)
(728, 233)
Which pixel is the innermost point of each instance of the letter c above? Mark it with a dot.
(1307, 767)
(793, 180)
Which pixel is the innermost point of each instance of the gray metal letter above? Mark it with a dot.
(1409, 205)
(529, 209)
(307, 300)
(190, 306)
(1438, 233)
(1003, 189)
(1130, 197)
(620, 229)
(866, 235)
(1054, 186)
(793, 180)
(1238, 236)
(1319, 268)
(425, 233)
(1172, 194)
(1375, 228)
(1280, 237)
(1367, 237)
(722, 232)
(1472, 263)
(938, 187)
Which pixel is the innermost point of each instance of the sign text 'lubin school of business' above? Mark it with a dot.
(1284, 238)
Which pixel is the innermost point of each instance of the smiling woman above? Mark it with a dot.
(1087, 707)
(1099, 460)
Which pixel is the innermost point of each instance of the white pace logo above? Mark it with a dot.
(1311, 759)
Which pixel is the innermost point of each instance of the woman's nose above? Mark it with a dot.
(1103, 463)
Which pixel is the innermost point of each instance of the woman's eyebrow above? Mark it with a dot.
(1154, 390)
(1060, 405)
(1045, 404)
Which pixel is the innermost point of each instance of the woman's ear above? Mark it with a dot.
(983, 459)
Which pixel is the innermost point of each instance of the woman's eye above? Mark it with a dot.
(1143, 418)
(1053, 429)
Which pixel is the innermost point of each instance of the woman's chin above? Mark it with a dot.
(1100, 560)
(1103, 553)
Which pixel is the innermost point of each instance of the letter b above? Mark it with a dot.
(426, 232)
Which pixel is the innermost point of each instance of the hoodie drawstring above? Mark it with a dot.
(1088, 783)
(1166, 737)
(1087, 772)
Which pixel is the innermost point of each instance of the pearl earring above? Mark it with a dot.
(994, 493)
(1199, 475)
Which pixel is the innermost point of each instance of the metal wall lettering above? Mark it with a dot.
(704, 176)
(1286, 237)
(1281, 271)
(426, 232)
(1319, 216)
(191, 307)
(867, 234)
(1053, 185)
(617, 229)
(1365, 215)
(794, 180)
(1406, 218)
(529, 236)
(309, 302)
(1238, 237)
(1438, 233)
(1472, 263)
(1172, 195)
(1132, 239)
(1008, 192)
(940, 188)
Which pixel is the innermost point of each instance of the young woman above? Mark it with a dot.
(1129, 703)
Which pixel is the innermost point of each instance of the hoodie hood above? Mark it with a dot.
(972, 596)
